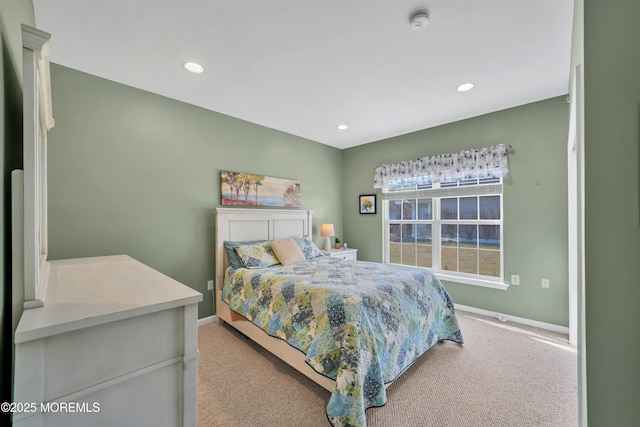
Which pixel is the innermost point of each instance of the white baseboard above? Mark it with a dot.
(205, 320)
(509, 318)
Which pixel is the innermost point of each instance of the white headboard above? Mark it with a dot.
(240, 224)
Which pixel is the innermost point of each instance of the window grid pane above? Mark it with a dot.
(468, 235)
(449, 208)
(468, 208)
(395, 210)
(395, 244)
(409, 209)
(409, 251)
(470, 232)
(490, 207)
(449, 259)
(424, 256)
(468, 261)
(489, 263)
(425, 209)
(489, 237)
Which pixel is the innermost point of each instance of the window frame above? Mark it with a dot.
(436, 193)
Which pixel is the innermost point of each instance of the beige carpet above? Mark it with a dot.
(505, 374)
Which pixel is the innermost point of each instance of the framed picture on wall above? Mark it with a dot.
(367, 203)
(249, 189)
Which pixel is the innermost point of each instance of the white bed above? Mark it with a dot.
(361, 323)
(243, 224)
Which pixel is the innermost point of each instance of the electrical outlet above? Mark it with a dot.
(210, 285)
(515, 279)
(545, 283)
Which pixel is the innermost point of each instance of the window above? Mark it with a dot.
(454, 228)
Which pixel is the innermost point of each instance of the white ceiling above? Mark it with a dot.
(304, 67)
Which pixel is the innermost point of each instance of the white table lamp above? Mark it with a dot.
(326, 231)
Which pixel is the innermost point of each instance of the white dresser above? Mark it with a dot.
(348, 253)
(115, 344)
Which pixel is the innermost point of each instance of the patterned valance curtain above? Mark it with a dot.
(488, 162)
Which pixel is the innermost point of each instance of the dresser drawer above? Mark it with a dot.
(80, 359)
(349, 253)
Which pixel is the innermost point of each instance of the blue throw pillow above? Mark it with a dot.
(257, 255)
(309, 249)
(232, 256)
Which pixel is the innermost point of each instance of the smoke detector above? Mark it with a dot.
(419, 20)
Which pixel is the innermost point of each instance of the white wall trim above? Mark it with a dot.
(509, 318)
(473, 281)
(206, 320)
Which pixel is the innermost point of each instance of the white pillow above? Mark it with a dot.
(287, 251)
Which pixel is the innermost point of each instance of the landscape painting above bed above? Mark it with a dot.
(247, 189)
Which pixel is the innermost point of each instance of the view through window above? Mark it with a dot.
(453, 228)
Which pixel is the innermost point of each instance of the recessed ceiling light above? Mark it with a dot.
(465, 87)
(343, 127)
(193, 67)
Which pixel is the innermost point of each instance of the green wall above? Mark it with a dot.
(13, 13)
(612, 109)
(136, 173)
(535, 202)
(612, 200)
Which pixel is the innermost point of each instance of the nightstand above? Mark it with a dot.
(349, 253)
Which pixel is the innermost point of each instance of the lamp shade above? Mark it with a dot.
(327, 230)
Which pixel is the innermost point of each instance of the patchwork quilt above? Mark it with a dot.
(360, 323)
